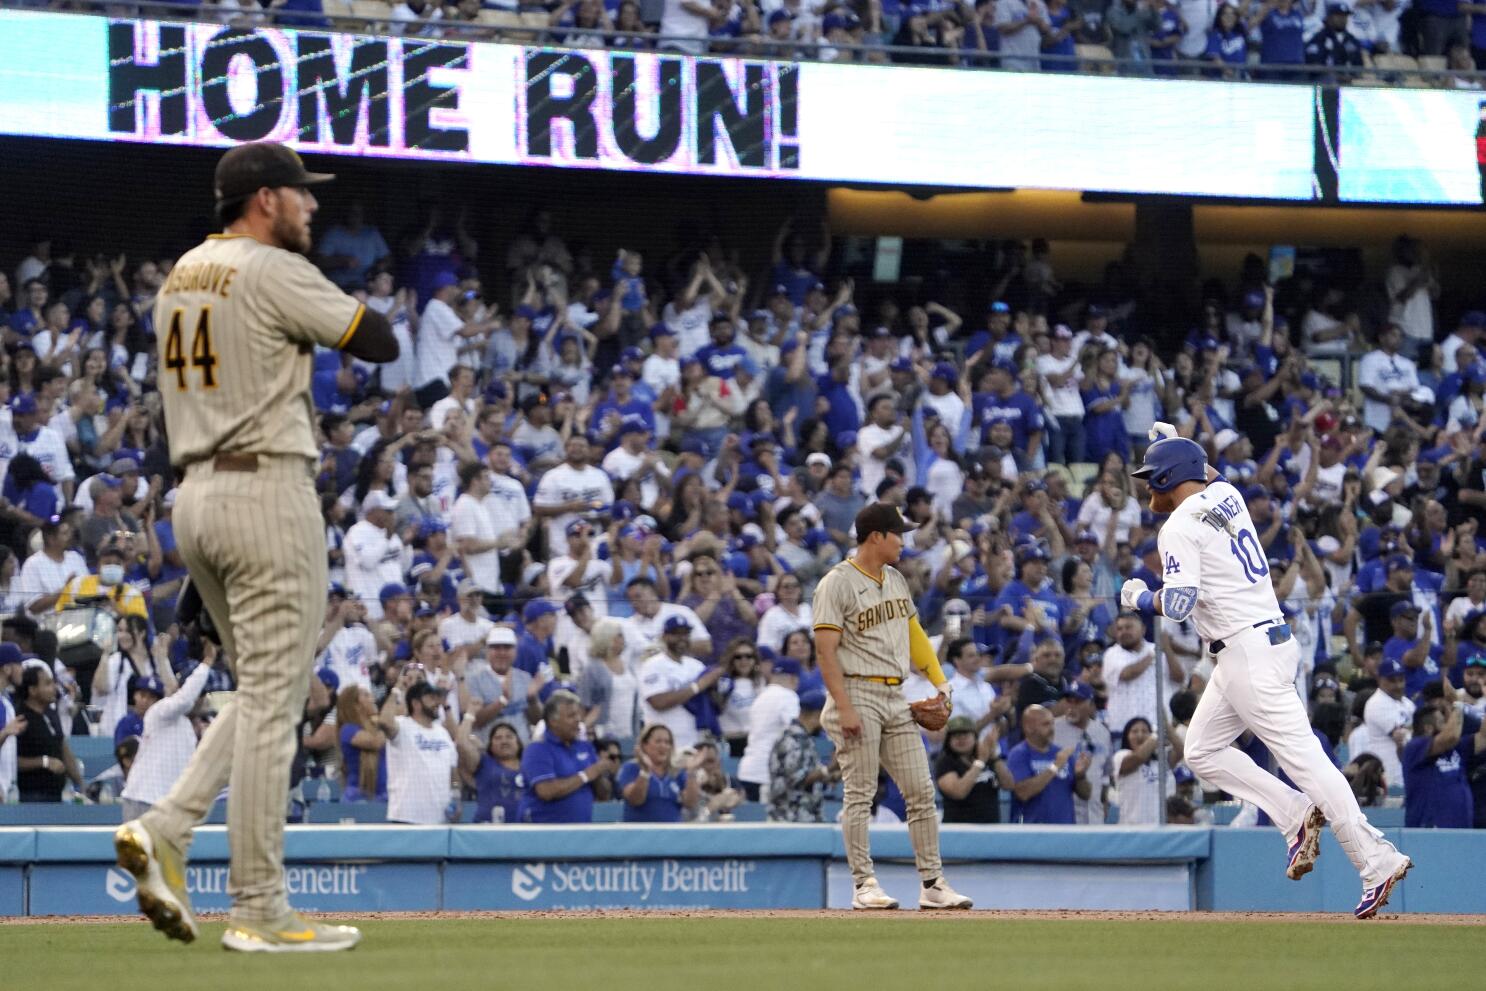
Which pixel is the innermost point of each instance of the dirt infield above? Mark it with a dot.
(1420, 919)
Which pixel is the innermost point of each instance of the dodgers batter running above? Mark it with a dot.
(866, 634)
(238, 321)
(1215, 571)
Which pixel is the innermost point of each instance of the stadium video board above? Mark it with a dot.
(83, 77)
(1411, 146)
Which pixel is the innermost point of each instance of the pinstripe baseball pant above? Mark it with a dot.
(255, 547)
(890, 739)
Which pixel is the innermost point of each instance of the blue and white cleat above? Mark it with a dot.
(1306, 846)
(1376, 897)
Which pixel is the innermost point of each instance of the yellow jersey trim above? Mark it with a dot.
(828, 626)
(853, 562)
(351, 330)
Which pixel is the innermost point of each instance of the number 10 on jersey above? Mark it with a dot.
(1251, 556)
(202, 354)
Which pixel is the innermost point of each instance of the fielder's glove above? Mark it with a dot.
(931, 713)
(1161, 431)
(1131, 591)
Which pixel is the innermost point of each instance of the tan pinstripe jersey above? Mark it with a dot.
(236, 324)
(872, 617)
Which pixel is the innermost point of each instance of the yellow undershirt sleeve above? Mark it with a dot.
(921, 653)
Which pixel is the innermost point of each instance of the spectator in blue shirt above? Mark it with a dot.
(1170, 29)
(1007, 402)
(796, 267)
(1411, 645)
(1437, 793)
(1057, 36)
(1044, 782)
(982, 39)
(29, 492)
(620, 405)
(843, 416)
(1281, 28)
(1105, 397)
(629, 284)
(724, 355)
(1030, 601)
(28, 318)
(1227, 43)
(654, 791)
(1442, 24)
(350, 250)
(495, 774)
(534, 649)
(563, 774)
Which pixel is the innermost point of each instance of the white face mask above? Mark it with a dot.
(111, 574)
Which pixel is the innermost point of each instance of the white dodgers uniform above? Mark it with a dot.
(1215, 570)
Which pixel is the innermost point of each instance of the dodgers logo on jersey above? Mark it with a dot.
(1172, 567)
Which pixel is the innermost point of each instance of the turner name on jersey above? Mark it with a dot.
(1214, 567)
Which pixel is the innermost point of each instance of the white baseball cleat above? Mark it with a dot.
(870, 897)
(1376, 897)
(940, 896)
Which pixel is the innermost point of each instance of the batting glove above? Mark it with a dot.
(1131, 591)
(1161, 431)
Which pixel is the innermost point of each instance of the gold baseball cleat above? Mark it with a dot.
(291, 934)
(159, 870)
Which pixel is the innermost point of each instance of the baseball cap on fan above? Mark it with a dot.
(261, 164)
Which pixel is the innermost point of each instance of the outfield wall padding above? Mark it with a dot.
(357, 869)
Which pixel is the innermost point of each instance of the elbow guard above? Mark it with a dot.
(1178, 602)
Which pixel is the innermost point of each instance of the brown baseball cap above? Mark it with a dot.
(880, 517)
(261, 164)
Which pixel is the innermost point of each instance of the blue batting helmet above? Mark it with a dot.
(1172, 461)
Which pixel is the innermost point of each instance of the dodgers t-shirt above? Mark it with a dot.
(1054, 804)
(548, 760)
(1436, 792)
(662, 799)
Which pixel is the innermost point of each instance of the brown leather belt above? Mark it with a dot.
(235, 461)
(880, 679)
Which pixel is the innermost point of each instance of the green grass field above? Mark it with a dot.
(618, 953)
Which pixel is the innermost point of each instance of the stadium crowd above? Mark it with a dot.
(1248, 39)
(575, 529)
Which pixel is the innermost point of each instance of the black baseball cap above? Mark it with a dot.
(880, 517)
(261, 164)
(421, 689)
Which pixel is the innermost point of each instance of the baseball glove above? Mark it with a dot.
(930, 713)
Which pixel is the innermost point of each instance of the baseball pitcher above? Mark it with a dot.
(238, 321)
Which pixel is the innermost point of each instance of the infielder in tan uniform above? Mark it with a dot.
(866, 634)
(237, 323)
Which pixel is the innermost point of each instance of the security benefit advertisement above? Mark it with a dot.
(670, 883)
(103, 889)
(215, 85)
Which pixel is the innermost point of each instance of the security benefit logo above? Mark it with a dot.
(662, 112)
(575, 884)
(207, 883)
